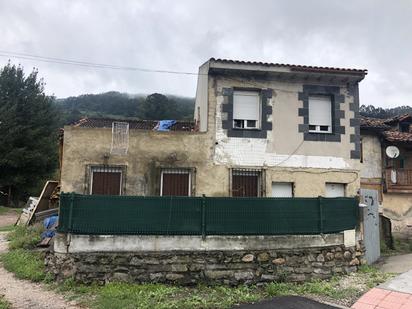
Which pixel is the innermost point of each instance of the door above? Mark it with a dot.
(370, 218)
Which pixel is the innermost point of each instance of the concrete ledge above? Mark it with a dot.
(70, 243)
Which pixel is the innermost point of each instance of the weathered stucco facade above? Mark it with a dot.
(395, 199)
(282, 149)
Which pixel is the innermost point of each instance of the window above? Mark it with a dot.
(282, 189)
(334, 189)
(246, 183)
(106, 180)
(175, 182)
(320, 114)
(246, 110)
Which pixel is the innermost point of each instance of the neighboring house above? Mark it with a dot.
(391, 177)
(261, 129)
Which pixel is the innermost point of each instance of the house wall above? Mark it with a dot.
(398, 207)
(372, 157)
(284, 154)
(148, 152)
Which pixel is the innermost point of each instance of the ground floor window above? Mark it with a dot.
(282, 189)
(106, 180)
(175, 182)
(246, 183)
(334, 189)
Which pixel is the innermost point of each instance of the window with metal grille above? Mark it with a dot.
(246, 183)
(106, 180)
(175, 182)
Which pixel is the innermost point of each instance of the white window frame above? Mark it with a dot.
(176, 171)
(244, 121)
(106, 169)
(283, 183)
(317, 128)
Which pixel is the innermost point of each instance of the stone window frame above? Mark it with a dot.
(337, 113)
(89, 171)
(266, 110)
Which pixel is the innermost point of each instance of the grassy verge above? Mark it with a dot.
(4, 304)
(28, 264)
(4, 210)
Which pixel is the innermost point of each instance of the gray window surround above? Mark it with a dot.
(337, 113)
(266, 110)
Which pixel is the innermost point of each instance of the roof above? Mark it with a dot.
(373, 123)
(296, 67)
(397, 136)
(398, 119)
(133, 124)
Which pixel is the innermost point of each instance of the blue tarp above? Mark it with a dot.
(165, 125)
(49, 224)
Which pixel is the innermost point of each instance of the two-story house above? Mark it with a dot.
(261, 129)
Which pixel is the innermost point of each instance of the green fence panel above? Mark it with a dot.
(94, 214)
(339, 214)
(262, 216)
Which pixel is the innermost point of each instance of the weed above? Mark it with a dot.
(25, 264)
(4, 304)
(22, 237)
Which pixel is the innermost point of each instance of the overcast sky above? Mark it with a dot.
(181, 35)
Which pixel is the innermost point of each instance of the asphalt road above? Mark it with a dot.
(287, 302)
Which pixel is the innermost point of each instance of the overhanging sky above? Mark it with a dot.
(181, 35)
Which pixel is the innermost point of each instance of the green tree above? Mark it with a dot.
(157, 107)
(28, 132)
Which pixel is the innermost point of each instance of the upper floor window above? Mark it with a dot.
(320, 114)
(246, 110)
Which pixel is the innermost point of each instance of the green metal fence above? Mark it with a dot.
(98, 214)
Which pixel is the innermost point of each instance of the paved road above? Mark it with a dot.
(287, 302)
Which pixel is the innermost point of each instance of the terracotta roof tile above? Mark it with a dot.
(296, 67)
(396, 136)
(133, 124)
(373, 123)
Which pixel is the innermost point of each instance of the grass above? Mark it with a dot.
(4, 304)
(25, 264)
(4, 210)
(22, 237)
(6, 228)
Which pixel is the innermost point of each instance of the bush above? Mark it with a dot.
(22, 237)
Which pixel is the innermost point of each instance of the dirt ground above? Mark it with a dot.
(9, 218)
(25, 294)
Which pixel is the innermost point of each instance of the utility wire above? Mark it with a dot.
(26, 56)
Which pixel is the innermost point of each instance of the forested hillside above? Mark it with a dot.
(379, 112)
(122, 106)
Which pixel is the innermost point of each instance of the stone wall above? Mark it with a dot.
(191, 267)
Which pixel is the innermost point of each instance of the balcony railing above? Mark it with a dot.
(398, 180)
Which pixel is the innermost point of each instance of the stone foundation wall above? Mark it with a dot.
(191, 267)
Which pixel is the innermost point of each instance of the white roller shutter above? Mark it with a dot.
(335, 190)
(246, 105)
(320, 111)
(282, 189)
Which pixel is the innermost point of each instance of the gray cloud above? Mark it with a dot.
(181, 35)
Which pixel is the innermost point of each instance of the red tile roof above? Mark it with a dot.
(396, 136)
(133, 124)
(373, 123)
(296, 67)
